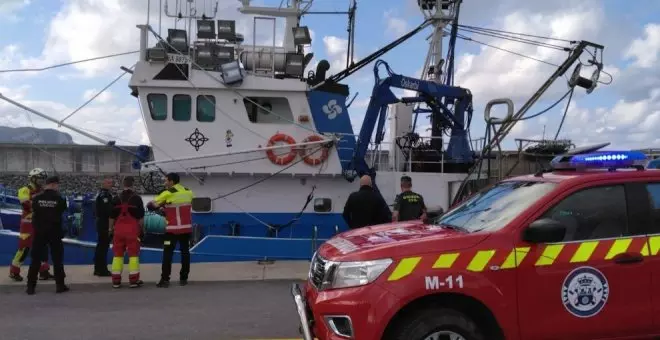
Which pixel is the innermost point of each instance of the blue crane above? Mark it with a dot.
(436, 96)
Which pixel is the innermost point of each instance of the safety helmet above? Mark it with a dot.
(37, 173)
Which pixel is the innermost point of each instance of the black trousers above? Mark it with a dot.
(102, 246)
(168, 252)
(44, 239)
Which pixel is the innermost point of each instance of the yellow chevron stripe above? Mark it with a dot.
(404, 268)
(654, 244)
(645, 249)
(515, 258)
(480, 260)
(550, 254)
(445, 261)
(618, 247)
(584, 251)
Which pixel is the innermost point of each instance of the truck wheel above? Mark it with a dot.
(435, 324)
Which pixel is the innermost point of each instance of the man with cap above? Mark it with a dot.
(408, 205)
(48, 208)
(366, 206)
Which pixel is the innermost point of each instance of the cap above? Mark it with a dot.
(52, 179)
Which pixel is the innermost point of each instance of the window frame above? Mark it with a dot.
(197, 112)
(588, 186)
(174, 98)
(322, 198)
(151, 111)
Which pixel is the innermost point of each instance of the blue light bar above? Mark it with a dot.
(600, 160)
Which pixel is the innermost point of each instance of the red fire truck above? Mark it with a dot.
(569, 253)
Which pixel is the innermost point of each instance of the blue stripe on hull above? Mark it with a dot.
(220, 224)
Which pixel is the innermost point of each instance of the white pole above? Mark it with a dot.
(160, 16)
(47, 117)
(236, 152)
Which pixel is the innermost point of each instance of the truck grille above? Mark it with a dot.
(317, 271)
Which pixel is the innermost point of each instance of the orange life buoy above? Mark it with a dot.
(281, 159)
(313, 161)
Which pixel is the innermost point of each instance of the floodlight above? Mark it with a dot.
(204, 56)
(294, 64)
(156, 54)
(301, 36)
(227, 29)
(224, 54)
(231, 73)
(178, 39)
(205, 29)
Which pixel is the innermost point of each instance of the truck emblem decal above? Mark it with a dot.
(344, 246)
(585, 291)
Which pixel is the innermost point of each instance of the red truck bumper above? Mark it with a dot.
(340, 314)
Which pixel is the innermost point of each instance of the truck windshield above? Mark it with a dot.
(494, 208)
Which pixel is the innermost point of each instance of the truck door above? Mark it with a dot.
(596, 282)
(652, 191)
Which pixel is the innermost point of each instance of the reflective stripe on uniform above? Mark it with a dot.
(547, 255)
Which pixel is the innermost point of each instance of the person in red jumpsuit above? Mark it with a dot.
(36, 179)
(126, 223)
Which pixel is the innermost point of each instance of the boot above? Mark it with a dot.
(16, 277)
(30, 290)
(136, 284)
(163, 284)
(62, 288)
(45, 275)
(102, 273)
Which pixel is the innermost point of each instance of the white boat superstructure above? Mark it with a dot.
(252, 136)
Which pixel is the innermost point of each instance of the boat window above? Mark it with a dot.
(322, 205)
(205, 108)
(277, 110)
(201, 204)
(181, 107)
(157, 106)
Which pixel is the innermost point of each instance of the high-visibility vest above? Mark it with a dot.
(25, 195)
(178, 209)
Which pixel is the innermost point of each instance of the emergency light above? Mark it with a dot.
(600, 160)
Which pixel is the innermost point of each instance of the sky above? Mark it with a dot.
(626, 112)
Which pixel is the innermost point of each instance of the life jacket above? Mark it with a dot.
(178, 210)
(125, 223)
(25, 195)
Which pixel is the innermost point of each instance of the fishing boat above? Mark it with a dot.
(265, 140)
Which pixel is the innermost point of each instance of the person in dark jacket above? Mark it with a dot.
(366, 206)
(47, 210)
(102, 209)
(408, 205)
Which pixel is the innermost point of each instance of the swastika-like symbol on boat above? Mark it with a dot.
(197, 139)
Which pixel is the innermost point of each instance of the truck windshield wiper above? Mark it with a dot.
(454, 227)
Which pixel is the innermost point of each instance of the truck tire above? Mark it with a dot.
(421, 324)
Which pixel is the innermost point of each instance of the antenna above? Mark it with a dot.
(191, 13)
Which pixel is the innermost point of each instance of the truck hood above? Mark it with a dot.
(396, 239)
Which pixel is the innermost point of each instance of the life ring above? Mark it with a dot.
(281, 159)
(313, 161)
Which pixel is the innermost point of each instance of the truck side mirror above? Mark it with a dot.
(433, 213)
(545, 230)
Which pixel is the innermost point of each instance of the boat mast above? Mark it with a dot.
(440, 13)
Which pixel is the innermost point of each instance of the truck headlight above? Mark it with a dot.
(359, 273)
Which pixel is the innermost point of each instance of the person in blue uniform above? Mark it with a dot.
(102, 208)
(47, 210)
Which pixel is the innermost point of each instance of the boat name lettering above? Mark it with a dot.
(409, 83)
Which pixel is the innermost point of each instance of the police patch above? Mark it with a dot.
(585, 292)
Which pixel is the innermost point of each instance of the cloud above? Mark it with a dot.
(8, 9)
(336, 51)
(396, 26)
(645, 50)
(102, 98)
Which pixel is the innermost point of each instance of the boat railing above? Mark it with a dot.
(390, 156)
